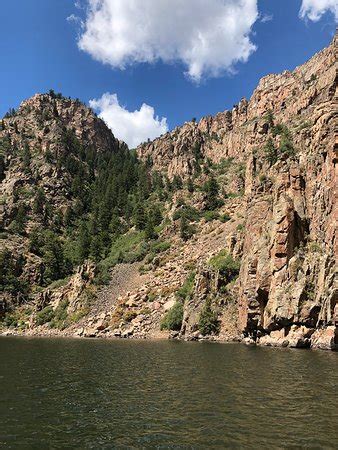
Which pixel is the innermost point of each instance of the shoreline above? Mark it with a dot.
(108, 337)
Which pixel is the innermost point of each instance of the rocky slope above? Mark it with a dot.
(246, 247)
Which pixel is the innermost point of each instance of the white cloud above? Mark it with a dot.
(266, 18)
(133, 127)
(75, 19)
(314, 9)
(207, 36)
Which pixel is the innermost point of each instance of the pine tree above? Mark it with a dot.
(150, 232)
(53, 258)
(186, 229)
(211, 190)
(139, 216)
(84, 242)
(39, 201)
(270, 152)
(26, 158)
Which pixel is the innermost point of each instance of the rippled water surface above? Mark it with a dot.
(59, 393)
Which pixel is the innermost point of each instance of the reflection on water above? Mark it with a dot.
(59, 393)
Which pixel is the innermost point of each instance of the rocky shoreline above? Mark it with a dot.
(299, 338)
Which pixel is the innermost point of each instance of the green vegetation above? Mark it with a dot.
(188, 212)
(211, 215)
(187, 230)
(269, 117)
(113, 215)
(224, 218)
(270, 152)
(223, 166)
(285, 149)
(198, 158)
(286, 145)
(208, 321)
(227, 266)
(128, 316)
(186, 290)
(16, 319)
(18, 224)
(173, 318)
(45, 315)
(10, 271)
(211, 189)
(60, 316)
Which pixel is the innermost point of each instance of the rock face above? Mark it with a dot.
(274, 158)
(286, 282)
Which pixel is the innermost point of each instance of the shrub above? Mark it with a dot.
(59, 283)
(211, 215)
(186, 229)
(278, 129)
(224, 218)
(161, 246)
(208, 321)
(189, 212)
(286, 145)
(314, 247)
(45, 315)
(60, 316)
(145, 311)
(186, 290)
(269, 117)
(173, 318)
(128, 316)
(227, 266)
(223, 165)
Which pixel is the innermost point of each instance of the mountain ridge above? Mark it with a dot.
(229, 231)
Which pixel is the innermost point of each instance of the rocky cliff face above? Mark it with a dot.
(286, 281)
(246, 247)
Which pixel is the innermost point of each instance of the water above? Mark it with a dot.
(90, 394)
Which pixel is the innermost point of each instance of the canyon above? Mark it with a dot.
(243, 248)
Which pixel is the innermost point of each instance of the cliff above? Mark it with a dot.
(243, 247)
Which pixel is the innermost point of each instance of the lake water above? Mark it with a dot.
(91, 394)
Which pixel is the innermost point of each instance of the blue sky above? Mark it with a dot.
(39, 50)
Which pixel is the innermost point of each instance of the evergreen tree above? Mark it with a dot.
(211, 190)
(139, 216)
(84, 242)
(177, 182)
(26, 158)
(186, 229)
(150, 232)
(39, 201)
(270, 152)
(53, 258)
(18, 224)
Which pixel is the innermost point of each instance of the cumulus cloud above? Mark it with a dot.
(133, 127)
(207, 36)
(314, 9)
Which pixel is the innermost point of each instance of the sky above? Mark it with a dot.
(147, 66)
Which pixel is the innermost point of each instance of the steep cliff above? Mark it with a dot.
(286, 138)
(242, 241)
